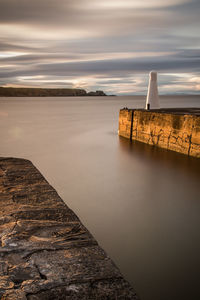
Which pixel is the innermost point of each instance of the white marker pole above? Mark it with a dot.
(152, 101)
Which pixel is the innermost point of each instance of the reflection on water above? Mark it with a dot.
(186, 164)
(141, 203)
(167, 227)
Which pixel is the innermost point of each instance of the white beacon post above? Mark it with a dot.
(152, 101)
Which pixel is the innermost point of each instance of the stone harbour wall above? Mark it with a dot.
(125, 120)
(177, 130)
(45, 251)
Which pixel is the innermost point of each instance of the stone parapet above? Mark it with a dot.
(177, 130)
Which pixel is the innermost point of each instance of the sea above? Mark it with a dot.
(142, 204)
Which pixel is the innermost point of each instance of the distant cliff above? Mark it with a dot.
(40, 92)
(97, 93)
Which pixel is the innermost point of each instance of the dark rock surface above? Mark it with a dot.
(42, 92)
(97, 93)
(45, 251)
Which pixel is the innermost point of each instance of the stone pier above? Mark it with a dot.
(172, 129)
(45, 251)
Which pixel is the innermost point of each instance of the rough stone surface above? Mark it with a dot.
(125, 120)
(45, 251)
(173, 129)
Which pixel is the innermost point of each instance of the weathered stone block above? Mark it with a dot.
(45, 251)
(177, 130)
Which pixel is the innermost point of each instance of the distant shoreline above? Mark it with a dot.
(46, 92)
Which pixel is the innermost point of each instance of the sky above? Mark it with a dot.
(108, 45)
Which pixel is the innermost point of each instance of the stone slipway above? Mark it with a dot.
(173, 129)
(45, 251)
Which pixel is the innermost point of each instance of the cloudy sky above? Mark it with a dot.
(100, 44)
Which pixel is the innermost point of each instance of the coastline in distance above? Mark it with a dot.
(46, 92)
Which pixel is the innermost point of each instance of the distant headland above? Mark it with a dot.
(43, 92)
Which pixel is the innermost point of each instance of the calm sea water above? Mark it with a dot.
(142, 204)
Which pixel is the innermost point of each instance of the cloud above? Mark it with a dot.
(103, 44)
(103, 66)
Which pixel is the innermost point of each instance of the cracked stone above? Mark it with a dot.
(46, 252)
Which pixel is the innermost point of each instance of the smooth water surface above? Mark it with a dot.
(142, 204)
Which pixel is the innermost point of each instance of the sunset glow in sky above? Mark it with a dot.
(109, 44)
